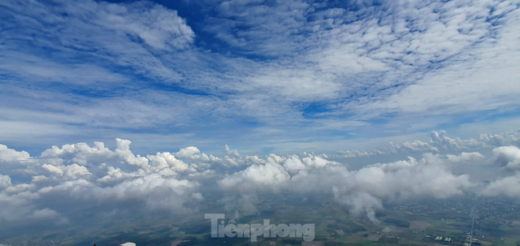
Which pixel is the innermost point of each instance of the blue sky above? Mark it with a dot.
(260, 76)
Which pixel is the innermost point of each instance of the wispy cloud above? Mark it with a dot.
(332, 71)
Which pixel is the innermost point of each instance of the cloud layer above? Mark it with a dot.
(178, 182)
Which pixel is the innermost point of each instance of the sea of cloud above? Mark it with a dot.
(175, 182)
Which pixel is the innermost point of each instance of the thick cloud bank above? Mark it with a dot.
(177, 182)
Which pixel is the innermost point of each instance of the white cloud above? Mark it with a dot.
(11, 155)
(265, 177)
(265, 30)
(73, 171)
(5, 181)
(81, 152)
(193, 153)
(111, 28)
(362, 190)
(466, 157)
(39, 178)
(116, 175)
(123, 151)
(401, 59)
(157, 26)
(508, 157)
(169, 181)
(167, 160)
(506, 186)
(156, 191)
(104, 176)
(483, 64)
(440, 142)
(293, 164)
(128, 244)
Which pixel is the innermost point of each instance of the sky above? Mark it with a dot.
(110, 100)
(261, 76)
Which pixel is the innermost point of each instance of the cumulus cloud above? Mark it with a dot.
(508, 157)
(507, 186)
(440, 142)
(11, 155)
(80, 173)
(5, 181)
(466, 157)
(73, 171)
(194, 154)
(128, 244)
(178, 181)
(153, 181)
(264, 177)
(362, 190)
(165, 160)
